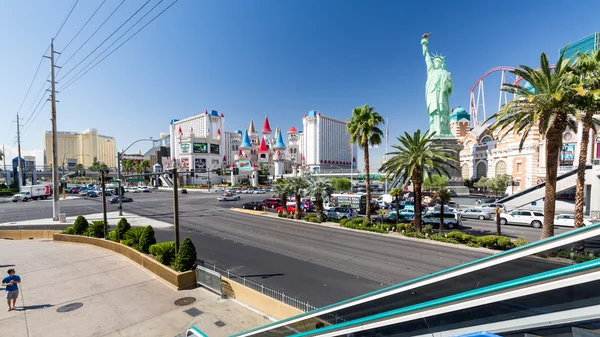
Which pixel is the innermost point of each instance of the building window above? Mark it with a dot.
(500, 168)
(519, 165)
(465, 171)
(481, 170)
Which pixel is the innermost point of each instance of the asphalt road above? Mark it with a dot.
(313, 263)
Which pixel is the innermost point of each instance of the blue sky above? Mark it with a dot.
(281, 58)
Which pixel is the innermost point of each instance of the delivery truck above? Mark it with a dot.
(32, 192)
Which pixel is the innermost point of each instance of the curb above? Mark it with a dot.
(394, 235)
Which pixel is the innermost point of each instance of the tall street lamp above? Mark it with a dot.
(119, 154)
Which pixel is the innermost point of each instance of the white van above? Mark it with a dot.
(387, 198)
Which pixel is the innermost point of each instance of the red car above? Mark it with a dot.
(272, 202)
(290, 209)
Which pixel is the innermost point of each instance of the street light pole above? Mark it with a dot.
(176, 208)
(119, 154)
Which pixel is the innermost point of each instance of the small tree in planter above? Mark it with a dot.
(80, 225)
(96, 229)
(186, 256)
(164, 252)
(147, 239)
(122, 227)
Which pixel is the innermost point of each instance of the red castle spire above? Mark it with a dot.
(263, 146)
(266, 127)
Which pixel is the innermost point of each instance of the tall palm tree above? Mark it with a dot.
(586, 81)
(127, 165)
(1, 155)
(297, 186)
(364, 130)
(282, 188)
(320, 189)
(396, 192)
(415, 158)
(545, 106)
(443, 197)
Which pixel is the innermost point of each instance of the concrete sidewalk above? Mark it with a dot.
(112, 296)
(112, 217)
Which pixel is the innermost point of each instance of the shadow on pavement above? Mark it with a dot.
(33, 307)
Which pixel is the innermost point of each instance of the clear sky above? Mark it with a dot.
(251, 58)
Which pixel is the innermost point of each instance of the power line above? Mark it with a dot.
(119, 46)
(94, 33)
(66, 18)
(113, 33)
(80, 29)
(33, 79)
(31, 109)
(36, 114)
(112, 44)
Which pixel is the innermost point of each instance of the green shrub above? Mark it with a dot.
(3, 186)
(409, 227)
(564, 254)
(441, 238)
(80, 225)
(280, 215)
(69, 230)
(520, 241)
(357, 221)
(315, 220)
(147, 239)
(367, 223)
(128, 242)
(400, 227)
(495, 242)
(455, 235)
(306, 217)
(112, 236)
(504, 243)
(122, 227)
(579, 258)
(473, 244)
(428, 229)
(134, 234)
(414, 235)
(343, 222)
(186, 256)
(164, 252)
(96, 229)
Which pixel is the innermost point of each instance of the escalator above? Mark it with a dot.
(494, 269)
(561, 302)
(166, 180)
(536, 193)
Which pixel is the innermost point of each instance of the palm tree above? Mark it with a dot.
(297, 186)
(1, 155)
(364, 130)
(282, 187)
(443, 197)
(127, 165)
(545, 106)
(415, 158)
(586, 80)
(145, 165)
(396, 192)
(320, 189)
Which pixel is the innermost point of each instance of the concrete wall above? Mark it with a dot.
(179, 280)
(258, 301)
(28, 234)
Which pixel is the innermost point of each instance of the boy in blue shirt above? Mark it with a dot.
(12, 289)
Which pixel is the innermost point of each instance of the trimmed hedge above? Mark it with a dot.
(147, 239)
(80, 225)
(122, 227)
(186, 256)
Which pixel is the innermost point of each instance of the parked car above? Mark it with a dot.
(522, 217)
(115, 199)
(340, 213)
(451, 220)
(568, 220)
(491, 208)
(291, 209)
(91, 193)
(132, 189)
(255, 205)
(272, 202)
(228, 197)
(21, 196)
(260, 191)
(219, 189)
(83, 193)
(404, 214)
(145, 189)
(475, 213)
(74, 190)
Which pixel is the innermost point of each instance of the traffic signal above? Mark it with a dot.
(218, 171)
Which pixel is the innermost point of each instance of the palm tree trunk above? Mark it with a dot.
(297, 215)
(284, 203)
(397, 209)
(367, 175)
(319, 205)
(417, 194)
(583, 149)
(553, 145)
(441, 229)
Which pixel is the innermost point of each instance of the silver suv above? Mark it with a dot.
(340, 213)
(451, 220)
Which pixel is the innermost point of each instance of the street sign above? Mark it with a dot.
(134, 180)
(372, 176)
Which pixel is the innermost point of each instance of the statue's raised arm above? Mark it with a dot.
(424, 42)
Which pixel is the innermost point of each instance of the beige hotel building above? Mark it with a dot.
(83, 147)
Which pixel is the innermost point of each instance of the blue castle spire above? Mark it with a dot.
(279, 144)
(246, 141)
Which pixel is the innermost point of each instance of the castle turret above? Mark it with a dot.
(279, 156)
(460, 122)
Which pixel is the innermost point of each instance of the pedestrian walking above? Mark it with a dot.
(12, 288)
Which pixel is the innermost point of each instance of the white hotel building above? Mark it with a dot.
(325, 143)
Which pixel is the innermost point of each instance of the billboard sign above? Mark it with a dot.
(200, 148)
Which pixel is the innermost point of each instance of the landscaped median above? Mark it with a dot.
(495, 242)
(139, 245)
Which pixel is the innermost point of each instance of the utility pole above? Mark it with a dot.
(387, 135)
(55, 180)
(104, 202)
(19, 163)
(176, 208)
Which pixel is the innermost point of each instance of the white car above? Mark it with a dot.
(143, 189)
(132, 190)
(568, 220)
(219, 189)
(261, 191)
(522, 217)
(248, 191)
(228, 197)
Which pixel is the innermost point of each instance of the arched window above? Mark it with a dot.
(465, 171)
(469, 144)
(481, 170)
(500, 168)
(486, 139)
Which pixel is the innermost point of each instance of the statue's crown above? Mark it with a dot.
(439, 56)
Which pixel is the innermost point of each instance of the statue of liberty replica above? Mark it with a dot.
(438, 90)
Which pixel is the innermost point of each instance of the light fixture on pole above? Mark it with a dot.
(119, 155)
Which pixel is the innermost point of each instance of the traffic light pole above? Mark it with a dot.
(104, 202)
(119, 183)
